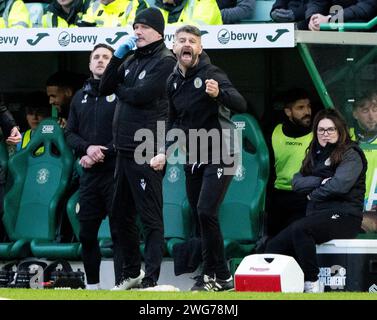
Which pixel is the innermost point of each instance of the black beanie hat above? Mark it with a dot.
(151, 17)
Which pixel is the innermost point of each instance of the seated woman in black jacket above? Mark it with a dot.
(332, 176)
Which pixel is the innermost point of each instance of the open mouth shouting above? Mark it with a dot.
(187, 56)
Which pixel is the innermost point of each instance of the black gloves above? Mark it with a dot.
(282, 15)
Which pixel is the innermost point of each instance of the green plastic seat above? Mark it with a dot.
(367, 235)
(176, 208)
(30, 206)
(241, 212)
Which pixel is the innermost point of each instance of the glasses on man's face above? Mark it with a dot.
(329, 130)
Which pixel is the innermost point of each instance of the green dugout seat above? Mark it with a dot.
(176, 208)
(241, 212)
(367, 235)
(104, 236)
(30, 206)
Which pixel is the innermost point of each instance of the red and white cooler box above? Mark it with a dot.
(269, 273)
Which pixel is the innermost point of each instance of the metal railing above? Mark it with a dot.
(349, 26)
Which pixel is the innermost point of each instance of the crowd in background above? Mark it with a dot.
(307, 14)
(118, 13)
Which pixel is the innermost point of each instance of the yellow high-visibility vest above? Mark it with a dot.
(115, 14)
(26, 139)
(197, 12)
(289, 153)
(371, 156)
(15, 15)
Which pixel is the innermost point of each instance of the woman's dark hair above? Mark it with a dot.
(342, 144)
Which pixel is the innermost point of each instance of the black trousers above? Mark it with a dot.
(138, 190)
(91, 255)
(206, 187)
(283, 208)
(95, 200)
(300, 238)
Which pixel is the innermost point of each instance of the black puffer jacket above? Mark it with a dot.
(90, 122)
(354, 10)
(140, 84)
(344, 192)
(7, 121)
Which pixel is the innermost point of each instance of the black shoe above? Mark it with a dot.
(147, 283)
(129, 283)
(224, 285)
(203, 283)
(206, 283)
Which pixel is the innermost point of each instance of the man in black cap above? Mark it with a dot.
(139, 81)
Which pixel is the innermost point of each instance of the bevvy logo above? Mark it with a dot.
(65, 38)
(13, 40)
(224, 36)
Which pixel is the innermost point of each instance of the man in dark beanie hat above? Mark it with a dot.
(153, 18)
(139, 81)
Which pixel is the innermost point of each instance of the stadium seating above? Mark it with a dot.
(367, 235)
(30, 206)
(242, 210)
(176, 209)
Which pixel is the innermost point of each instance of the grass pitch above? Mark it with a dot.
(50, 294)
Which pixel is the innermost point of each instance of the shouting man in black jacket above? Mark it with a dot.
(201, 98)
(88, 132)
(140, 84)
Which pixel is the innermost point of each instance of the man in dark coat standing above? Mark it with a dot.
(139, 81)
